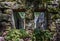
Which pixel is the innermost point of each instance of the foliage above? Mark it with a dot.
(42, 35)
(55, 13)
(15, 35)
(38, 35)
(55, 16)
(53, 9)
(24, 33)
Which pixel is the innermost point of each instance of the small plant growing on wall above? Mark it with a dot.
(40, 35)
(16, 35)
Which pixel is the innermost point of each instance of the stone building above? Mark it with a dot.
(19, 14)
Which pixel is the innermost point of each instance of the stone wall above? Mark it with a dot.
(6, 19)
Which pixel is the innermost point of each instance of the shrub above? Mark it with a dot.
(38, 35)
(16, 35)
(41, 35)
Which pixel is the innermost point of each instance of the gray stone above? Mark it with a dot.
(21, 40)
(2, 39)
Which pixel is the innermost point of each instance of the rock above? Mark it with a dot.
(28, 39)
(21, 40)
(2, 39)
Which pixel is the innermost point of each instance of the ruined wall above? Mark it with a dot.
(6, 19)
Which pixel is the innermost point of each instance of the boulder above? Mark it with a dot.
(2, 39)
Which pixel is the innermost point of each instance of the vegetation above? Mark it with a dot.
(29, 6)
(38, 35)
(16, 35)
